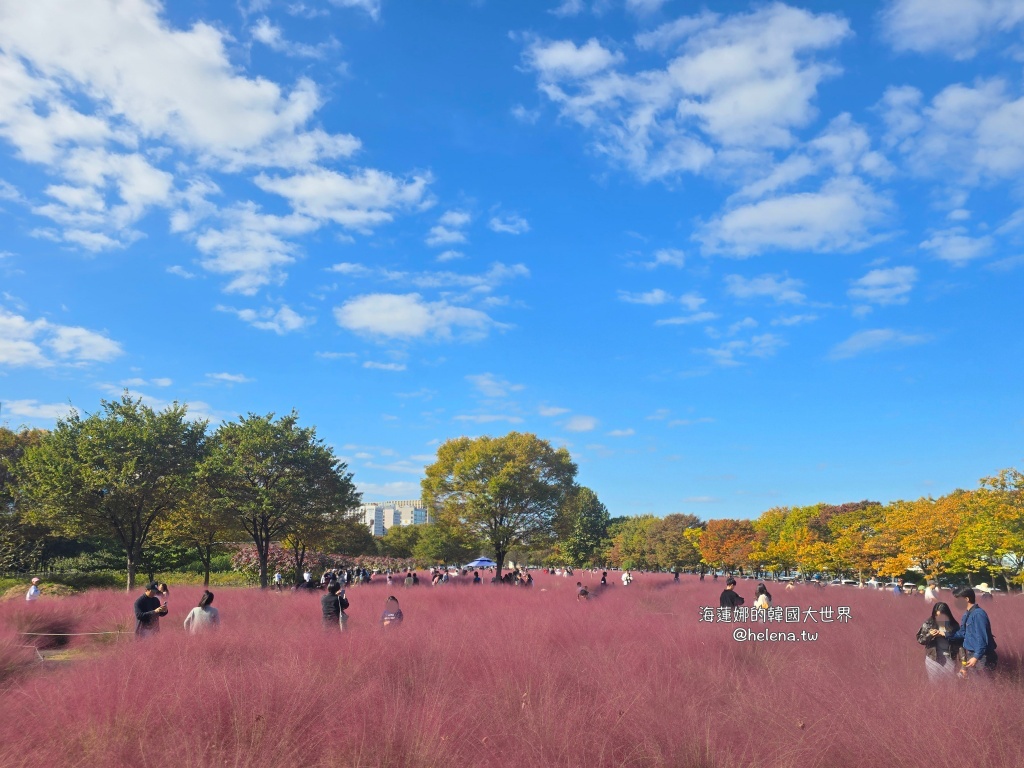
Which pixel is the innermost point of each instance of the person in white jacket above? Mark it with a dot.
(204, 617)
(33, 591)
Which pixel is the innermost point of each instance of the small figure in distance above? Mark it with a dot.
(626, 578)
(476, 578)
(931, 594)
(729, 598)
(415, 578)
(898, 589)
(408, 579)
(985, 589)
(278, 581)
(165, 593)
(392, 613)
(33, 592)
(762, 597)
(604, 578)
(581, 592)
(975, 633)
(940, 653)
(204, 617)
(675, 575)
(790, 585)
(148, 611)
(332, 606)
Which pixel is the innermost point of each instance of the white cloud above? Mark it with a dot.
(229, 378)
(449, 229)
(791, 320)
(384, 366)
(697, 317)
(956, 246)
(550, 411)
(557, 59)
(742, 325)
(180, 271)
(450, 255)
(783, 290)
(838, 217)
(357, 201)
(665, 257)
(488, 418)
(968, 132)
(268, 33)
(692, 301)
(651, 298)
(874, 341)
(281, 320)
(729, 354)
(33, 409)
(885, 286)
(581, 424)
(23, 343)
(644, 7)
(512, 224)
(622, 432)
(408, 316)
(482, 283)
(744, 81)
(953, 27)
(372, 7)
(490, 385)
(690, 422)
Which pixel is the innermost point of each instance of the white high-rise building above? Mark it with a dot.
(381, 515)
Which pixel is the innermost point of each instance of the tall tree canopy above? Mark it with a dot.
(112, 473)
(505, 490)
(277, 479)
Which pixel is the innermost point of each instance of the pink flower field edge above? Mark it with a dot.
(497, 676)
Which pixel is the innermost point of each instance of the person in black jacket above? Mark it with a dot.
(333, 607)
(148, 611)
(729, 598)
(940, 654)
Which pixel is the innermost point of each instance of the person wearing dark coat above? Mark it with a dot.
(148, 610)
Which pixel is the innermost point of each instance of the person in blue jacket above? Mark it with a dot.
(976, 634)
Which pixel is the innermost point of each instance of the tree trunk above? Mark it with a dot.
(264, 554)
(207, 557)
(500, 557)
(131, 573)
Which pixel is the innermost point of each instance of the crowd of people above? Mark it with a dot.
(952, 648)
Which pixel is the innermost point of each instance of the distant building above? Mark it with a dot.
(381, 515)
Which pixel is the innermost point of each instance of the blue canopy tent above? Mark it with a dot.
(482, 562)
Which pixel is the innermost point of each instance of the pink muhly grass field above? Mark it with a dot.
(488, 675)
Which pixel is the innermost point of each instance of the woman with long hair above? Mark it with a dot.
(762, 597)
(203, 617)
(940, 655)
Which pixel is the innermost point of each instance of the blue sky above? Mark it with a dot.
(732, 255)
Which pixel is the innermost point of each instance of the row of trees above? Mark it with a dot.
(144, 479)
(153, 480)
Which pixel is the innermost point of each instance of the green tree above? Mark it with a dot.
(504, 490)
(21, 543)
(588, 526)
(114, 473)
(350, 536)
(445, 543)
(275, 478)
(201, 523)
(632, 545)
(672, 547)
(399, 541)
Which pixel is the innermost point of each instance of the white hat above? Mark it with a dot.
(35, 579)
(983, 587)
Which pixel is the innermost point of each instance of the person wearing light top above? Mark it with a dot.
(33, 591)
(931, 594)
(204, 617)
(763, 598)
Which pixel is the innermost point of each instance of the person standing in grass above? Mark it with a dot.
(392, 613)
(204, 617)
(940, 653)
(581, 592)
(762, 597)
(333, 607)
(148, 611)
(975, 633)
(476, 578)
(931, 594)
(729, 598)
(33, 591)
